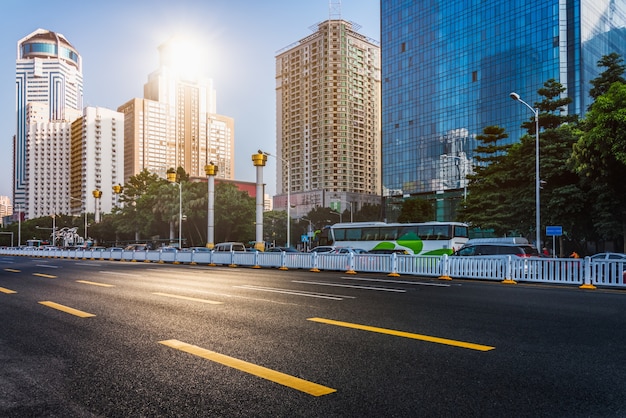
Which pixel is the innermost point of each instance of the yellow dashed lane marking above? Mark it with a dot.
(67, 309)
(265, 373)
(47, 276)
(169, 295)
(428, 338)
(95, 283)
(12, 270)
(7, 291)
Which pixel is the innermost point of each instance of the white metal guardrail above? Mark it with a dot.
(582, 272)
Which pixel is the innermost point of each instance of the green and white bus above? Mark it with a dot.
(424, 238)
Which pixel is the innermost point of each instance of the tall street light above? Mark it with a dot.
(288, 194)
(171, 177)
(516, 97)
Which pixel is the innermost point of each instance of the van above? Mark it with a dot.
(229, 246)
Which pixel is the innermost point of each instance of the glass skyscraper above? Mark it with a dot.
(448, 68)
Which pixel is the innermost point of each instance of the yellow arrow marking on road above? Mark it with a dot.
(95, 283)
(47, 276)
(67, 309)
(169, 295)
(7, 291)
(428, 338)
(265, 373)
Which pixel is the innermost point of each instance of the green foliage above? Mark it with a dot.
(612, 74)
(234, 214)
(600, 158)
(416, 209)
(502, 192)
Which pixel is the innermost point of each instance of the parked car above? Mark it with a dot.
(229, 246)
(608, 256)
(612, 257)
(516, 246)
(348, 250)
(137, 247)
(200, 249)
(322, 249)
(281, 249)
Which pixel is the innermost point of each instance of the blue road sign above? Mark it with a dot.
(554, 231)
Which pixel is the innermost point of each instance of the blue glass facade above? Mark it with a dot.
(448, 68)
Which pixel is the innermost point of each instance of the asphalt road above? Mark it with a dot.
(82, 338)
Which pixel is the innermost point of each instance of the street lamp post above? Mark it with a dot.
(516, 97)
(211, 171)
(339, 214)
(97, 194)
(288, 194)
(464, 160)
(171, 177)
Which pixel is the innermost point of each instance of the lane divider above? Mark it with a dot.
(169, 295)
(256, 370)
(47, 276)
(67, 309)
(455, 343)
(7, 291)
(95, 283)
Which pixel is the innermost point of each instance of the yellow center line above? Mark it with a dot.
(428, 338)
(12, 270)
(260, 371)
(95, 283)
(47, 276)
(67, 309)
(169, 295)
(7, 291)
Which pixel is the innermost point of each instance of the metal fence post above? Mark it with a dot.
(508, 272)
(587, 275)
(445, 268)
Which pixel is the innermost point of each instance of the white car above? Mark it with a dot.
(348, 250)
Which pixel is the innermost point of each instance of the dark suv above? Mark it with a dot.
(516, 246)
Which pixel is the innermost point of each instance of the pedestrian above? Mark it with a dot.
(574, 254)
(545, 251)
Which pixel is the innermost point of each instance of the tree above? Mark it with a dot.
(612, 74)
(234, 214)
(135, 215)
(600, 157)
(368, 212)
(492, 186)
(502, 191)
(416, 209)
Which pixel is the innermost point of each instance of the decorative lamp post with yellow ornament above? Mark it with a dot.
(97, 194)
(211, 170)
(259, 161)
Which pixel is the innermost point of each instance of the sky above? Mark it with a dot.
(118, 41)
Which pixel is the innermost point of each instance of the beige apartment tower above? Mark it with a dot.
(328, 120)
(176, 125)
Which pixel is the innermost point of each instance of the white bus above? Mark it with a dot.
(424, 238)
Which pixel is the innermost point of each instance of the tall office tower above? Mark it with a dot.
(48, 72)
(47, 164)
(448, 69)
(175, 124)
(328, 120)
(97, 160)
